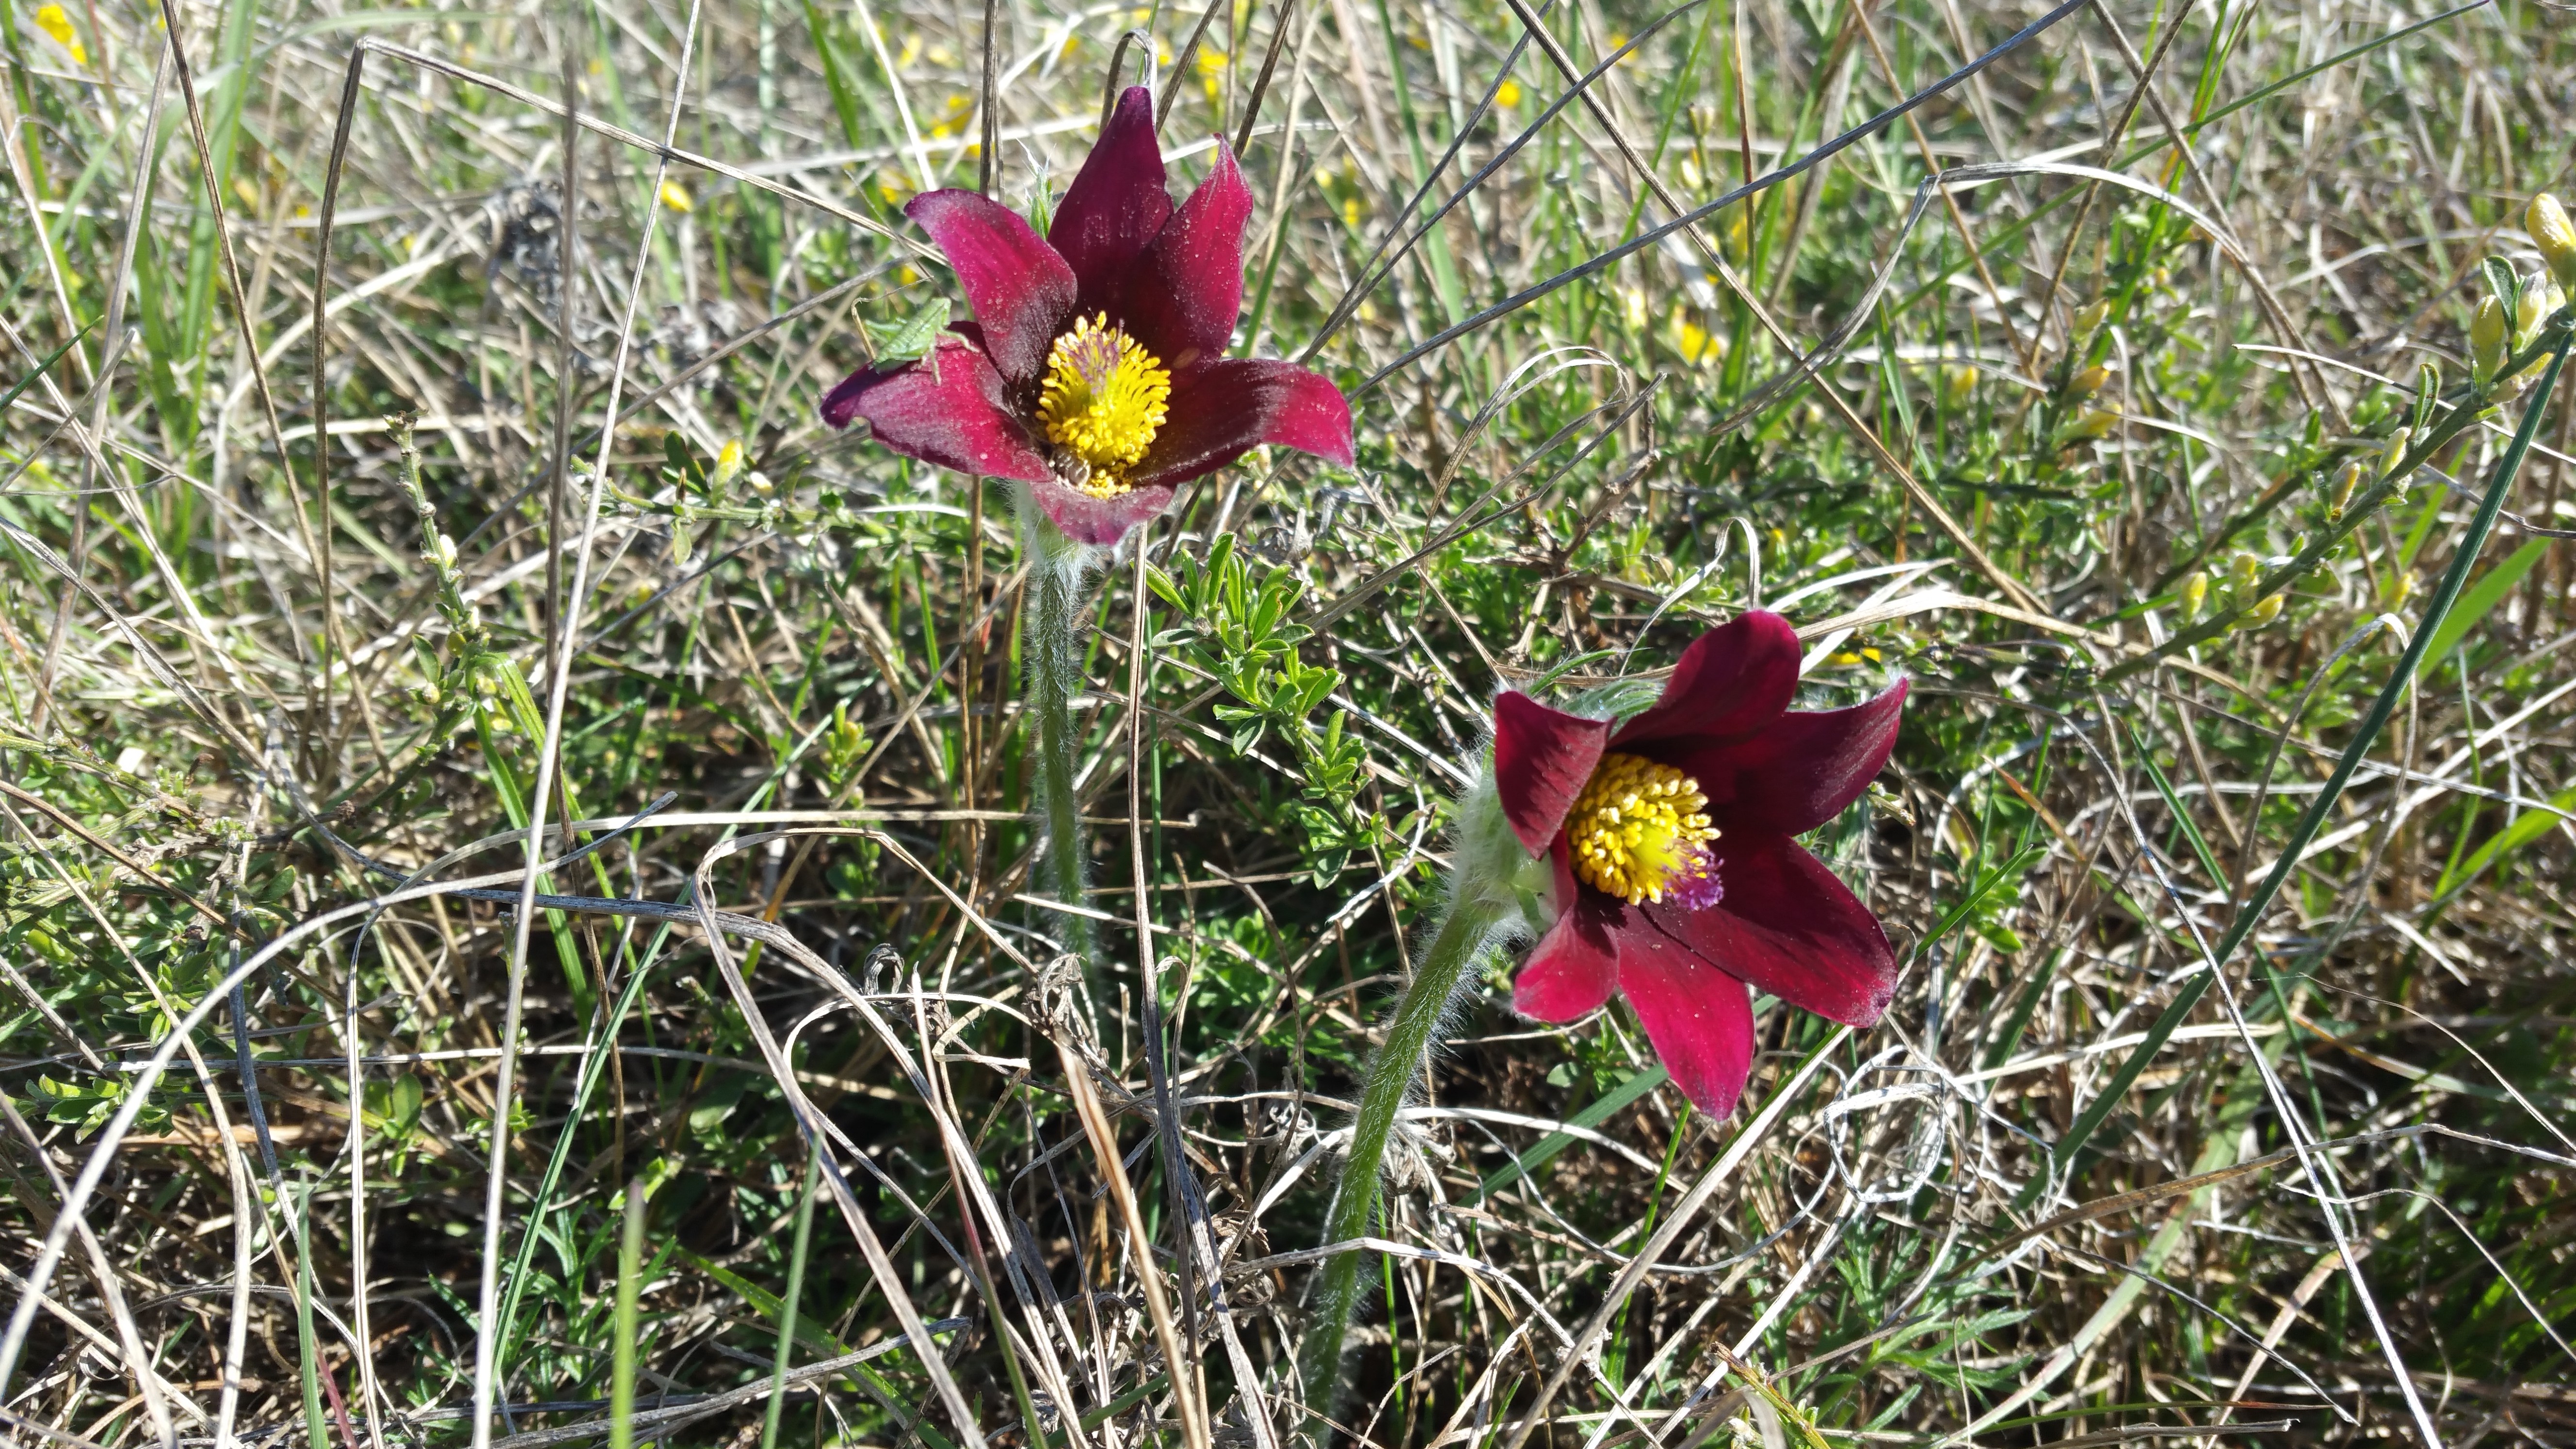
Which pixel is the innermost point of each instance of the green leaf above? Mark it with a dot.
(1555, 1142)
(1985, 887)
(769, 1306)
(713, 1108)
(2182, 817)
(2527, 827)
(836, 76)
(42, 368)
(2480, 597)
(2505, 283)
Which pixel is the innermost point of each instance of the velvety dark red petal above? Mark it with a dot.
(1220, 410)
(1542, 757)
(1022, 292)
(1801, 770)
(1791, 927)
(1116, 204)
(1576, 965)
(1086, 519)
(1698, 1017)
(1188, 289)
(1731, 681)
(946, 409)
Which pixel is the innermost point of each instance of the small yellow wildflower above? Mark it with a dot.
(52, 20)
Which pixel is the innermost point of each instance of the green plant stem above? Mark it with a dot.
(787, 1305)
(2419, 452)
(2367, 734)
(630, 1271)
(308, 1367)
(1054, 666)
(1473, 918)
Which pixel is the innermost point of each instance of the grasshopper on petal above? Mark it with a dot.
(911, 338)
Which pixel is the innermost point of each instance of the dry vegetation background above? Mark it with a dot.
(275, 692)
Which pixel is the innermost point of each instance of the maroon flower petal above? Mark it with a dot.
(1789, 926)
(1542, 757)
(1220, 410)
(1188, 290)
(1731, 681)
(945, 409)
(1086, 519)
(1697, 1016)
(1576, 965)
(1801, 771)
(1116, 204)
(1021, 291)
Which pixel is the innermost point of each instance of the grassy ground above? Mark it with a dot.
(2064, 1193)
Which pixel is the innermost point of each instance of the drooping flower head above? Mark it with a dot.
(1676, 880)
(1095, 369)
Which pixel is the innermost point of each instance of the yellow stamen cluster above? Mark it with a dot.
(1638, 832)
(1102, 403)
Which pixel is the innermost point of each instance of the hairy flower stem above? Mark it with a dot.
(1054, 663)
(1462, 938)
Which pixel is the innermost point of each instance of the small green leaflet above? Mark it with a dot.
(911, 338)
(2506, 283)
(44, 367)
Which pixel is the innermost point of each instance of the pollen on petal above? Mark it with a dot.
(1101, 404)
(1638, 832)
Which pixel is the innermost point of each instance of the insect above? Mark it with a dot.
(912, 338)
(1070, 468)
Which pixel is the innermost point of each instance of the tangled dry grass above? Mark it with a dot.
(385, 435)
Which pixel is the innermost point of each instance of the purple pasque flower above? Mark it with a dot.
(1095, 369)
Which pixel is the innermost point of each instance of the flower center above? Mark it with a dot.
(1638, 833)
(1102, 403)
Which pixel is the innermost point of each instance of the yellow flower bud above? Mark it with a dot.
(2089, 381)
(2401, 589)
(2532, 307)
(2486, 342)
(2395, 452)
(1958, 384)
(728, 465)
(1690, 341)
(2243, 571)
(2262, 613)
(2345, 482)
(2554, 234)
(2088, 317)
(2195, 593)
(2093, 425)
(2541, 296)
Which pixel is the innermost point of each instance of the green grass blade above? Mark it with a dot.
(2478, 600)
(630, 1274)
(1546, 1148)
